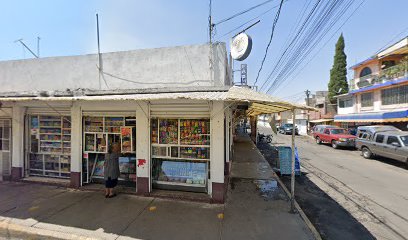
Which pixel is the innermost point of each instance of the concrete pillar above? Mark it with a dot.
(76, 146)
(217, 186)
(143, 163)
(17, 159)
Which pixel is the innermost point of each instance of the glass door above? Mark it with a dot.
(5, 147)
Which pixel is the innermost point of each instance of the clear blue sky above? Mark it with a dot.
(68, 28)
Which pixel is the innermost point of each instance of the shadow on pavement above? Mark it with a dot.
(331, 219)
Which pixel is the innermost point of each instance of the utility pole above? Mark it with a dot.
(307, 92)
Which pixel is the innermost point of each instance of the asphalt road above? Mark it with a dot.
(374, 192)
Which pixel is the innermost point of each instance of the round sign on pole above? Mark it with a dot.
(241, 47)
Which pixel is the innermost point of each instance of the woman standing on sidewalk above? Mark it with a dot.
(111, 169)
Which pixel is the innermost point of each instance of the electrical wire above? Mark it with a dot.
(328, 40)
(252, 19)
(294, 39)
(313, 30)
(243, 12)
(297, 60)
(275, 21)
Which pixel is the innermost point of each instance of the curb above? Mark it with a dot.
(309, 224)
(32, 229)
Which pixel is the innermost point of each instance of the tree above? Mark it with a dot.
(338, 74)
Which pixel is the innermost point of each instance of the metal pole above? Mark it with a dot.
(38, 47)
(292, 177)
(99, 51)
(308, 114)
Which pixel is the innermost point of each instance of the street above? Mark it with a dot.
(374, 192)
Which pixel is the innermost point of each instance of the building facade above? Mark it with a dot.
(379, 90)
(326, 110)
(60, 116)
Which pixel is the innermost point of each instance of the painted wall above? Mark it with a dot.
(182, 66)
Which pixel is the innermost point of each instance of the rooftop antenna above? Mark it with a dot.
(100, 67)
(25, 46)
(99, 51)
(38, 46)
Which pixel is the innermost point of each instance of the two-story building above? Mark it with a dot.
(379, 91)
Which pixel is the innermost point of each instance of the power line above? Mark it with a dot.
(313, 30)
(295, 61)
(243, 12)
(338, 29)
(294, 39)
(252, 19)
(275, 21)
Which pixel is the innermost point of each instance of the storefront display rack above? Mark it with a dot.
(98, 129)
(99, 133)
(180, 153)
(50, 146)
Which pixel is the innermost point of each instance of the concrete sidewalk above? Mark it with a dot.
(256, 208)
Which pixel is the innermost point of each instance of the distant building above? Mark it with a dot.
(379, 91)
(326, 112)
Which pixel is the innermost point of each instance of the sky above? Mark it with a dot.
(69, 28)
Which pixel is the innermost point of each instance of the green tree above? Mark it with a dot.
(338, 74)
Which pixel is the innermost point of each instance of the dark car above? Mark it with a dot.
(287, 128)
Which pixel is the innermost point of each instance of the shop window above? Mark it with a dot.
(50, 146)
(100, 133)
(365, 72)
(180, 153)
(395, 95)
(367, 99)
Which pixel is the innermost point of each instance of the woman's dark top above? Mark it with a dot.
(111, 166)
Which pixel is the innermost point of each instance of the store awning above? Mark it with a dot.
(259, 103)
(379, 117)
(322, 120)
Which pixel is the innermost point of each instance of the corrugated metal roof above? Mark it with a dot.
(259, 103)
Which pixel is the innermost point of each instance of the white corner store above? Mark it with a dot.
(173, 141)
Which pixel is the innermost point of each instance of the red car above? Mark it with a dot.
(337, 137)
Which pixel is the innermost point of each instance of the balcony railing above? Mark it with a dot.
(391, 73)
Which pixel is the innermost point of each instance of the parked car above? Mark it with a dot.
(337, 137)
(371, 130)
(319, 129)
(384, 142)
(287, 128)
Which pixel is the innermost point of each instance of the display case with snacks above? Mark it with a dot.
(126, 140)
(50, 146)
(180, 152)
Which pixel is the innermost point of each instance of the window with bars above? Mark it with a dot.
(396, 95)
(367, 99)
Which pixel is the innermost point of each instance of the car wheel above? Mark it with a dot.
(318, 141)
(366, 153)
(334, 144)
